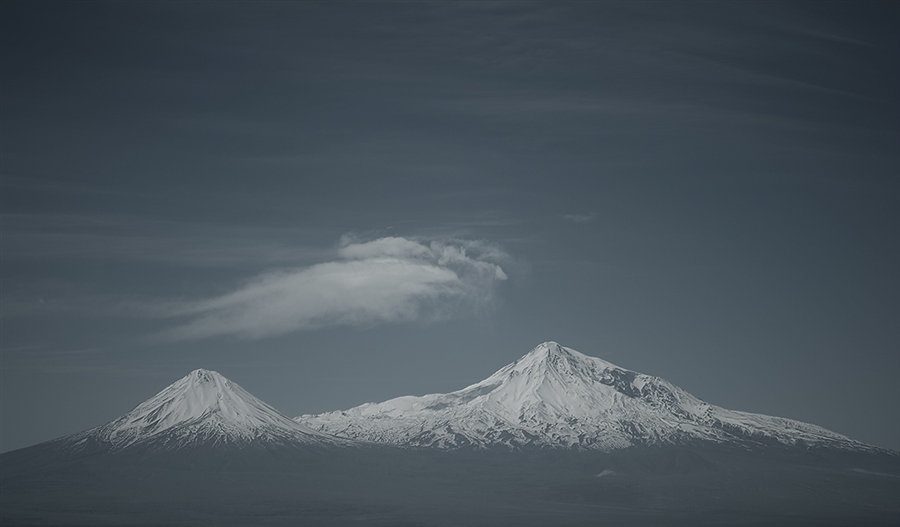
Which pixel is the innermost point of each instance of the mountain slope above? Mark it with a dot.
(557, 397)
(201, 408)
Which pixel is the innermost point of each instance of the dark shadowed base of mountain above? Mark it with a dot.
(672, 486)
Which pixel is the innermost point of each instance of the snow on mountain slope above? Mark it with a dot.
(201, 408)
(558, 397)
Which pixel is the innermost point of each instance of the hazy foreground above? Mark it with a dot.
(383, 486)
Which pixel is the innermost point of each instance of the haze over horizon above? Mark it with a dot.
(334, 203)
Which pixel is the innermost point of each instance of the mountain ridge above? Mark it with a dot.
(552, 397)
(540, 442)
(557, 397)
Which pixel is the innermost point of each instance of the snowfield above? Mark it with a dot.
(557, 397)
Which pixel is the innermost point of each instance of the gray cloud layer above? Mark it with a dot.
(390, 279)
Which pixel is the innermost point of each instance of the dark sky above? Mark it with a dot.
(335, 203)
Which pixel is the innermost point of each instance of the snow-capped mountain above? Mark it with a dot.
(201, 408)
(557, 397)
(204, 451)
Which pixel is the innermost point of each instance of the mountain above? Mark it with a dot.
(557, 397)
(206, 452)
(202, 408)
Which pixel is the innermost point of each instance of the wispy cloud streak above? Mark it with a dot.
(580, 218)
(386, 280)
(121, 238)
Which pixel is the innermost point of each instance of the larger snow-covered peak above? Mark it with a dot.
(552, 383)
(554, 363)
(203, 407)
(554, 396)
(550, 357)
(550, 350)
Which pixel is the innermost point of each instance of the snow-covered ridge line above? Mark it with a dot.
(560, 398)
(552, 397)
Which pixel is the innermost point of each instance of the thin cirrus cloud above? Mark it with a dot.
(387, 280)
(580, 218)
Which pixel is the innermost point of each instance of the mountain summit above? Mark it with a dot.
(201, 408)
(557, 397)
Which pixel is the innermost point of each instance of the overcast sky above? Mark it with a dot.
(343, 202)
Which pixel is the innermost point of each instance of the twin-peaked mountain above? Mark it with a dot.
(554, 438)
(553, 397)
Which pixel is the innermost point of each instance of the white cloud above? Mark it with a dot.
(391, 279)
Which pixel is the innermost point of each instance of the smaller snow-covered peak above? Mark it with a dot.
(549, 346)
(203, 404)
(205, 387)
(202, 392)
(206, 375)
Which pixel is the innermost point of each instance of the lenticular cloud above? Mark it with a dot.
(386, 280)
